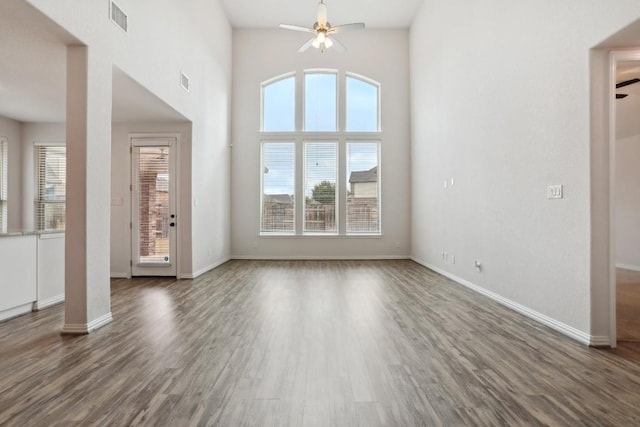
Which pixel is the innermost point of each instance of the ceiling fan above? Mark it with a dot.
(323, 31)
(623, 84)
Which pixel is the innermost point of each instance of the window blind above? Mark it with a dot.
(363, 191)
(152, 185)
(320, 177)
(278, 187)
(51, 179)
(3, 185)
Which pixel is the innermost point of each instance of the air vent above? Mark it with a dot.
(119, 17)
(184, 81)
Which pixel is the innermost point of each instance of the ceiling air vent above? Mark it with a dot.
(184, 81)
(118, 17)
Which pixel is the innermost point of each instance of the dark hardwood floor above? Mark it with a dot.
(628, 314)
(306, 343)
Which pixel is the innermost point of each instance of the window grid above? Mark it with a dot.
(320, 187)
(363, 187)
(277, 214)
(351, 121)
(51, 178)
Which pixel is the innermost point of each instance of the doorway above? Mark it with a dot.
(624, 202)
(153, 205)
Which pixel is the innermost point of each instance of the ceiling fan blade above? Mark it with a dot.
(322, 14)
(307, 45)
(347, 27)
(621, 95)
(337, 45)
(297, 28)
(626, 83)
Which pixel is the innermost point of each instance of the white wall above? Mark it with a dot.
(165, 38)
(628, 202)
(500, 102)
(12, 131)
(262, 54)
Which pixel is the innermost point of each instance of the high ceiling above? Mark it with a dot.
(33, 63)
(270, 13)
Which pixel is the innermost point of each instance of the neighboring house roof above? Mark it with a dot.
(283, 199)
(364, 176)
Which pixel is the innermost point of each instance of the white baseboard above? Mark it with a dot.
(118, 275)
(563, 328)
(628, 267)
(42, 304)
(319, 257)
(204, 270)
(85, 328)
(15, 311)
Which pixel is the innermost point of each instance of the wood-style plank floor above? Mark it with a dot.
(308, 343)
(628, 313)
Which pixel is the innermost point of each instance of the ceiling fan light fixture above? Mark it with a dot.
(321, 31)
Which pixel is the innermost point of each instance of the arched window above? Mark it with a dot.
(332, 120)
(279, 104)
(362, 105)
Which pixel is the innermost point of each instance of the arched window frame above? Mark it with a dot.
(301, 137)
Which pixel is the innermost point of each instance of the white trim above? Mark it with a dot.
(321, 257)
(628, 267)
(15, 311)
(120, 275)
(42, 304)
(554, 324)
(43, 235)
(615, 56)
(86, 328)
(204, 270)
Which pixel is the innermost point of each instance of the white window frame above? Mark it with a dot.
(303, 106)
(37, 190)
(4, 177)
(295, 182)
(372, 82)
(379, 173)
(300, 136)
(271, 81)
(305, 143)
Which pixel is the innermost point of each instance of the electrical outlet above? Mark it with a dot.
(453, 259)
(254, 244)
(478, 265)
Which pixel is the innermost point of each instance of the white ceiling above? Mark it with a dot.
(271, 13)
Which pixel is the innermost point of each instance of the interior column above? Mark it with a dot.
(87, 282)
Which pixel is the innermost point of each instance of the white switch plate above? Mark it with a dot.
(554, 192)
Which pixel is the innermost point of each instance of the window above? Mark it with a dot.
(322, 131)
(3, 185)
(362, 105)
(279, 105)
(320, 191)
(51, 178)
(278, 187)
(320, 106)
(363, 191)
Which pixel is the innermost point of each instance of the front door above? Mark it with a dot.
(154, 221)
